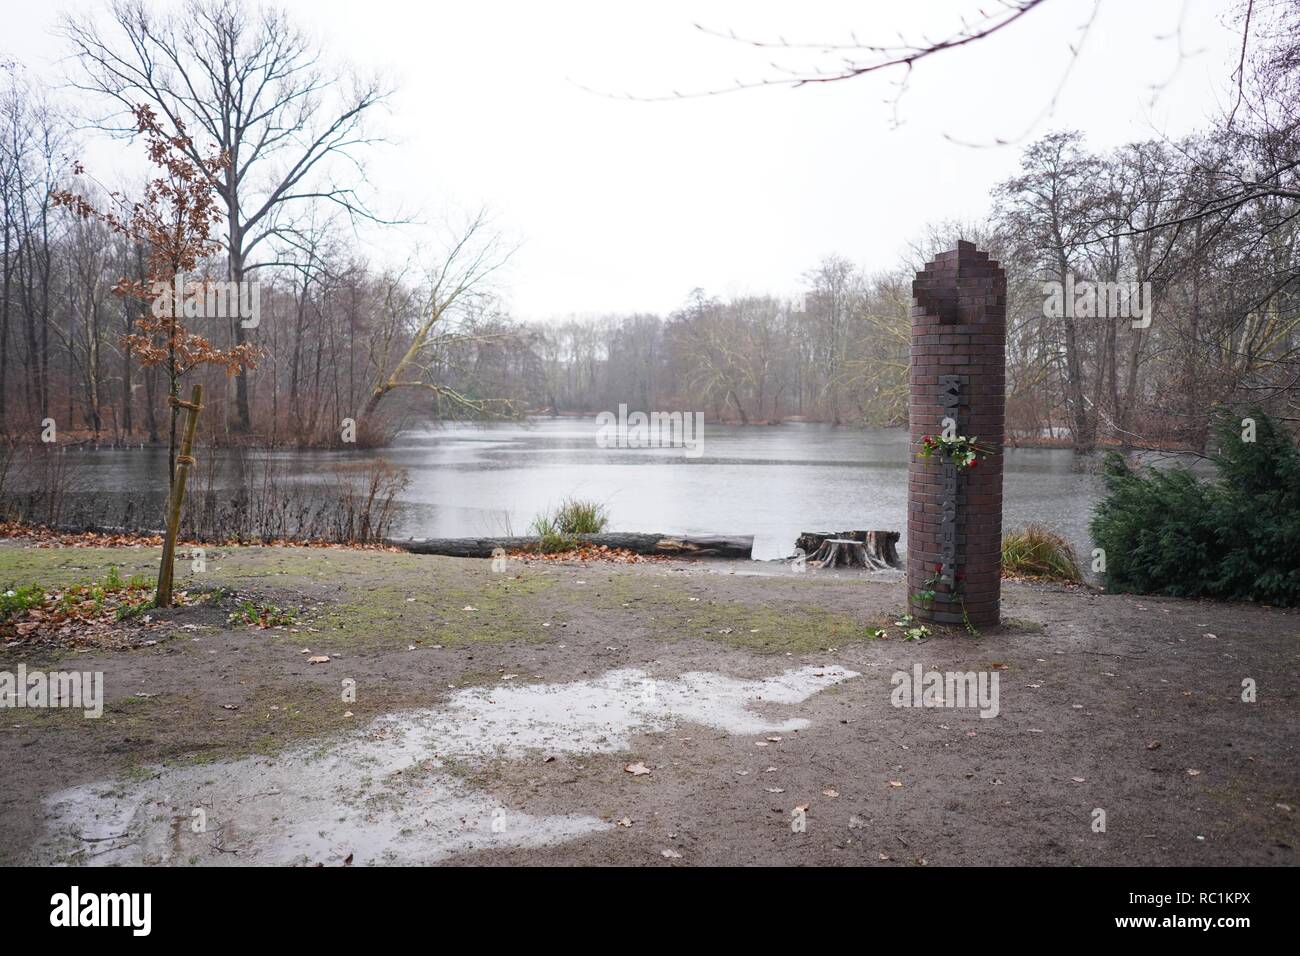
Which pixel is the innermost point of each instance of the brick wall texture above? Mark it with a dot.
(959, 331)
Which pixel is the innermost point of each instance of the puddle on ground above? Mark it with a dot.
(384, 795)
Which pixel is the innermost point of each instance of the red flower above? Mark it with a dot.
(973, 463)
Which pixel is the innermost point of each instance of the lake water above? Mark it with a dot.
(769, 481)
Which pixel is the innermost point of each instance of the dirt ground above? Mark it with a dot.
(495, 715)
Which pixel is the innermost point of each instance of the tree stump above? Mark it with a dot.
(837, 552)
(879, 548)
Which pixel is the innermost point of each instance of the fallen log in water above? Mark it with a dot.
(682, 546)
(878, 548)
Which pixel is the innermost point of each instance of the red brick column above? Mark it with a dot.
(954, 516)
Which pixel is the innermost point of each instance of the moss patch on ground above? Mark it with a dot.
(679, 608)
(483, 608)
(60, 567)
(348, 599)
(340, 597)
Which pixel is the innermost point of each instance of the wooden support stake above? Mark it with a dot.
(163, 598)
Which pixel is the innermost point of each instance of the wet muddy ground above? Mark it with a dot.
(496, 716)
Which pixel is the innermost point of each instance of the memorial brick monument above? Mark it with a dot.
(957, 389)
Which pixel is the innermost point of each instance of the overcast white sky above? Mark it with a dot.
(626, 206)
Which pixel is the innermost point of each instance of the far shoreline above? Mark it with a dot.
(83, 440)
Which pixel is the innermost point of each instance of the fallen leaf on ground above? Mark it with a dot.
(830, 793)
(318, 659)
(637, 769)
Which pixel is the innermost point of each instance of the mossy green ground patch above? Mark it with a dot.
(377, 598)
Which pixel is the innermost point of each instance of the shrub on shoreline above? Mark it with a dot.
(1035, 552)
(559, 529)
(1237, 537)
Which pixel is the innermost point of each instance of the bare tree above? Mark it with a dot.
(451, 284)
(252, 82)
(834, 304)
(1048, 207)
(33, 137)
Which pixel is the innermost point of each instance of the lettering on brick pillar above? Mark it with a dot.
(957, 379)
(949, 402)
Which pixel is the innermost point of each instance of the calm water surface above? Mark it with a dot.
(771, 482)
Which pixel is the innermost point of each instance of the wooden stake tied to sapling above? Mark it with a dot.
(177, 500)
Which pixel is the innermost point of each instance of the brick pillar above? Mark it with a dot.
(954, 516)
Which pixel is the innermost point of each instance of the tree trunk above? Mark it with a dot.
(241, 419)
(684, 546)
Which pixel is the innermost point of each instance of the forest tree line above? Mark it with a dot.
(1208, 221)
